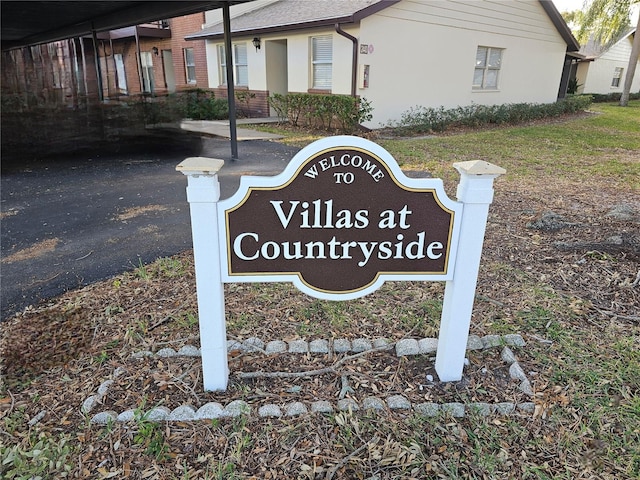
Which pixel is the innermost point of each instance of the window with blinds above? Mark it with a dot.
(190, 65)
(321, 62)
(240, 65)
(487, 68)
(617, 74)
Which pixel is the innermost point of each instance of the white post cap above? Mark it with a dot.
(200, 166)
(479, 167)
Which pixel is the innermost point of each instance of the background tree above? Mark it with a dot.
(605, 21)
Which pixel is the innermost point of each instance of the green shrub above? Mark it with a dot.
(573, 86)
(243, 102)
(199, 104)
(612, 97)
(424, 120)
(328, 112)
(280, 104)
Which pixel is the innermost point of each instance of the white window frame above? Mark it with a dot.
(617, 75)
(121, 75)
(189, 65)
(240, 65)
(148, 80)
(321, 61)
(487, 70)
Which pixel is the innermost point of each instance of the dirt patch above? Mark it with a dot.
(34, 251)
(10, 213)
(134, 212)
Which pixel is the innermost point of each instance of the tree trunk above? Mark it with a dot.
(633, 63)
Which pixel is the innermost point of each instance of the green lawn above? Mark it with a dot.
(606, 143)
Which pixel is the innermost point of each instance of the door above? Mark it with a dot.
(276, 65)
(169, 72)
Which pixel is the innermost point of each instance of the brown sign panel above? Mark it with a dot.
(340, 220)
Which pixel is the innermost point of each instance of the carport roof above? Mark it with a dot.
(30, 23)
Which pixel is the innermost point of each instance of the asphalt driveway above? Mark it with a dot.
(68, 221)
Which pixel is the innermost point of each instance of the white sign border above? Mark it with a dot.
(287, 175)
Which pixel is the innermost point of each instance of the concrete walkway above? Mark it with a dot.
(221, 128)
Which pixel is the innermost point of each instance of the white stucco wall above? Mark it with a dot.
(298, 47)
(255, 64)
(424, 54)
(596, 76)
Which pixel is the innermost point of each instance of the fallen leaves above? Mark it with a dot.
(577, 309)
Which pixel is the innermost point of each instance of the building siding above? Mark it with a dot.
(523, 19)
(424, 54)
(180, 28)
(596, 76)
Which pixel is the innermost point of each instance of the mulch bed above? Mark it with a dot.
(55, 355)
(175, 381)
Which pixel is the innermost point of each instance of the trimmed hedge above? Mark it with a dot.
(612, 97)
(328, 112)
(425, 120)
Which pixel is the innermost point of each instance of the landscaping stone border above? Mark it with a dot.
(404, 347)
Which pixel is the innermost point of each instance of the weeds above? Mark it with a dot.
(150, 435)
(36, 456)
(141, 271)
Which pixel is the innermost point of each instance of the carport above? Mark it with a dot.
(34, 23)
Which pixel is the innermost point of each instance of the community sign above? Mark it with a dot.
(341, 219)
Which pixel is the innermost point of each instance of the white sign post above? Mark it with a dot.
(203, 193)
(446, 237)
(475, 192)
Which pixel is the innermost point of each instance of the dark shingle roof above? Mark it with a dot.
(287, 15)
(294, 14)
(593, 49)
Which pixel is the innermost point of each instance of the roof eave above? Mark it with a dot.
(273, 29)
(371, 9)
(325, 22)
(561, 25)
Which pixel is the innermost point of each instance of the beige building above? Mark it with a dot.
(603, 72)
(395, 53)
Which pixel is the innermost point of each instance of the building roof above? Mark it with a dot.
(592, 49)
(286, 15)
(561, 25)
